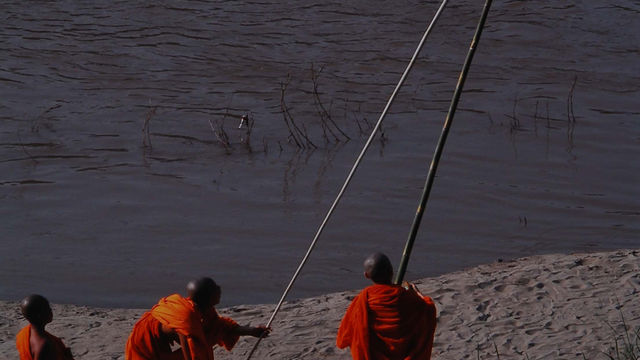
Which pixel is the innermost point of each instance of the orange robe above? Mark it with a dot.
(24, 346)
(219, 330)
(387, 322)
(147, 342)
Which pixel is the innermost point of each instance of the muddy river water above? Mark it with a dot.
(96, 208)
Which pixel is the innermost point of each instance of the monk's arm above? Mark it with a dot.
(415, 288)
(430, 306)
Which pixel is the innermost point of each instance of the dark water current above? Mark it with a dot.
(89, 214)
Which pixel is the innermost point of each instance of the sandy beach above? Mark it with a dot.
(540, 307)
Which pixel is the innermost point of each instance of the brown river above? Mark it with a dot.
(124, 173)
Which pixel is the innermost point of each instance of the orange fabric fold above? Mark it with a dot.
(22, 343)
(24, 347)
(147, 342)
(181, 315)
(387, 322)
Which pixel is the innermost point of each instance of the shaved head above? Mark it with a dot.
(36, 309)
(204, 292)
(377, 267)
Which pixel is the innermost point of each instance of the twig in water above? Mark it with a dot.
(355, 116)
(366, 121)
(323, 126)
(490, 119)
(248, 124)
(35, 125)
(24, 149)
(535, 119)
(295, 132)
(570, 115)
(322, 111)
(383, 137)
(221, 135)
(571, 118)
(146, 137)
(285, 112)
(515, 123)
(548, 117)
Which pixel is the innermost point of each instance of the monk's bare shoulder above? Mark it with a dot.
(43, 348)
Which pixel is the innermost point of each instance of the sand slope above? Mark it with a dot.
(541, 307)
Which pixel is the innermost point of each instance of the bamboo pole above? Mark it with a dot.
(351, 173)
(402, 268)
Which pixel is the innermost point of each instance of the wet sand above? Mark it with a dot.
(539, 307)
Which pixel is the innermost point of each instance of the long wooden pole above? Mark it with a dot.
(402, 268)
(352, 172)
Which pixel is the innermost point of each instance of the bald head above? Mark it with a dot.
(377, 267)
(204, 292)
(36, 309)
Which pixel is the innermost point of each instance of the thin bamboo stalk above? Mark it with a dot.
(402, 268)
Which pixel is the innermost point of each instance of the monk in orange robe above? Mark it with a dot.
(218, 330)
(192, 322)
(388, 322)
(33, 342)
